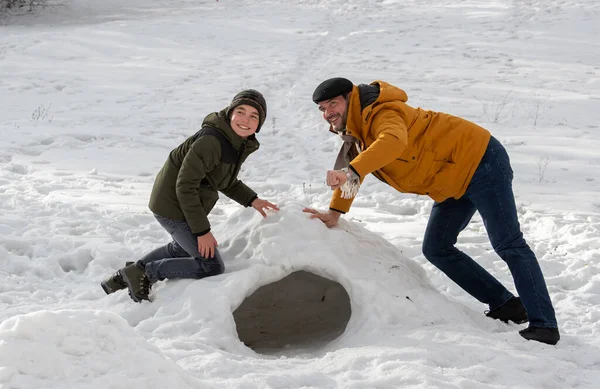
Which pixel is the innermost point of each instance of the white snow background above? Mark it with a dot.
(94, 95)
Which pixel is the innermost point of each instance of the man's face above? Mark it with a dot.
(244, 120)
(335, 112)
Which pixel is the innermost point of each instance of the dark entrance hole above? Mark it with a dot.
(298, 311)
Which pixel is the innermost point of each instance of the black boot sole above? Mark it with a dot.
(108, 290)
(549, 336)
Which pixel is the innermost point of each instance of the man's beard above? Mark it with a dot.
(341, 126)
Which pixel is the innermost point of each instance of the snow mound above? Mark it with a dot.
(82, 349)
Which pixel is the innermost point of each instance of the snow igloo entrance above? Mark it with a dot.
(302, 310)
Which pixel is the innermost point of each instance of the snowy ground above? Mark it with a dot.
(93, 95)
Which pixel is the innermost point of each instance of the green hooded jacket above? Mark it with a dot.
(187, 186)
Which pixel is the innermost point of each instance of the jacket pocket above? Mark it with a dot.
(426, 168)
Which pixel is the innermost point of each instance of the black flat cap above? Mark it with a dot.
(331, 88)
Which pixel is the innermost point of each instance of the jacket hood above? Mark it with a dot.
(389, 93)
(365, 97)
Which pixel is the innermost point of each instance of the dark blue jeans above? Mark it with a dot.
(490, 193)
(180, 258)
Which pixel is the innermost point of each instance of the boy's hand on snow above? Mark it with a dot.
(260, 205)
(206, 245)
(330, 218)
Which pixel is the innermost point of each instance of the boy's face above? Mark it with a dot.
(335, 112)
(244, 120)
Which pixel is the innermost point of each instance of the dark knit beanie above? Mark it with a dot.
(252, 98)
(331, 88)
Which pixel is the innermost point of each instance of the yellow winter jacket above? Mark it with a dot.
(411, 149)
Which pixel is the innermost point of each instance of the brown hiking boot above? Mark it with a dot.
(137, 282)
(114, 282)
(512, 310)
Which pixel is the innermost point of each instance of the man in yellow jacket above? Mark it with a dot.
(461, 167)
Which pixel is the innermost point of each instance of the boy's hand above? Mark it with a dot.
(260, 205)
(206, 245)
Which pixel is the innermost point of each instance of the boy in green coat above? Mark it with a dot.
(185, 191)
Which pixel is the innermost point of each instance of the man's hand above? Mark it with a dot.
(336, 178)
(330, 218)
(206, 245)
(260, 205)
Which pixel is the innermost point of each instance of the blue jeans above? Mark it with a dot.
(180, 258)
(490, 193)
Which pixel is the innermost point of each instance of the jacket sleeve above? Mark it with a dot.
(202, 157)
(240, 193)
(391, 138)
(340, 204)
